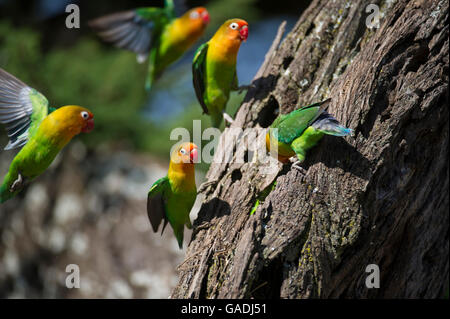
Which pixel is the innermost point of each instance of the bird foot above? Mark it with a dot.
(296, 165)
(228, 118)
(18, 183)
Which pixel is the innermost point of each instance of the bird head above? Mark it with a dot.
(198, 17)
(186, 153)
(273, 148)
(73, 120)
(236, 29)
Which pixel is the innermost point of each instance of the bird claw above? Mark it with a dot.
(18, 184)
(228, 118)
(296, 165)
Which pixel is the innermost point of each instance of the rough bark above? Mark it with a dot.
(378, 197)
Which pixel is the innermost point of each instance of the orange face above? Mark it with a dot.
(236, 29)
(186, 153)
(66, 122)
(198, 16)
(75, 119)
(281, 158)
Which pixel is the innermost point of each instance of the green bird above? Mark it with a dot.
(214, 69)
(154, 33)
(295, 133)
(171, 198)
(41, 131)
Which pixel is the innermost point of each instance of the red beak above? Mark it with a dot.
(206, 18)
(89, 126)
(194, 155)
(244, 33)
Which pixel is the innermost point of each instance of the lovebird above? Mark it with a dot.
(153, 33)
(171, 198)
(300, 130)
(214, 69)
(41, 131)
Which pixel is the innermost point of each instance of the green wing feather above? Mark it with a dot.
(169, 7)
(155, 204)
(292, 125)
(22, 109)
(199, 74)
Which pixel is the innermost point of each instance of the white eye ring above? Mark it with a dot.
(183, 151)
(234, 26)
(85, 115)
(194, 15)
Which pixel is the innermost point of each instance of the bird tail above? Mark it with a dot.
(152, 73)
(216, 119)
(178, 230)
(5, 193)
(327, 124)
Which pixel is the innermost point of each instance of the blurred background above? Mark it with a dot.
(89, 208)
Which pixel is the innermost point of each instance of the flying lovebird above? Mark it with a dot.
(296, 132)
(153, 33)
(214, 69)
(41, 131)
(171, 198)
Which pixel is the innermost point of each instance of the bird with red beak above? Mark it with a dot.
(214, 69)
(38, 130)
(153, 33)
(171, 198)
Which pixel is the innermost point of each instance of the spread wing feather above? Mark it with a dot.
(22, 109)
(133, 30)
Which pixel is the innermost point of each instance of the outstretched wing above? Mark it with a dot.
(132, 30)
(22, 109)
(155, 204)
(290, 126)
(199, 74)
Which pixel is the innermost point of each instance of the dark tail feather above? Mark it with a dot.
(327, 124)
(5, 193)
(179, 234)
(216, 120)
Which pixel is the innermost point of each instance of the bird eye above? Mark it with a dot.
(194, 15)
(183, 151)
(85, 115)
(234, 26)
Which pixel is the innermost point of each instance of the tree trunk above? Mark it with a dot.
(378, 197)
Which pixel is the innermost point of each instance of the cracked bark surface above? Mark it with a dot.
(378, 197)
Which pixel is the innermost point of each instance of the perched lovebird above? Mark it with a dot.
(214, 69)
(155, 33)
(171, 198)
(25, 114)
(298, 131)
